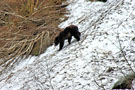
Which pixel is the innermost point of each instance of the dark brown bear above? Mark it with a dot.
(103, 0)
(68, 32)
(99, 0)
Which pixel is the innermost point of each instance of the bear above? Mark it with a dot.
(99, 0)
(104, 0)
(67, 33)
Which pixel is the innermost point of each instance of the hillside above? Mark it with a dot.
(28, 27)
(104, 54)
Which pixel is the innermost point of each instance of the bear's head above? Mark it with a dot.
(57, 41)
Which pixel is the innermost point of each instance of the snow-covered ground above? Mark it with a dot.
(94, 63)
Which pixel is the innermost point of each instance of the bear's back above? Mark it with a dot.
(72, 29)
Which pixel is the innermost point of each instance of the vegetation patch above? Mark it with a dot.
(28, 27)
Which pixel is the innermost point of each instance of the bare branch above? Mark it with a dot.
(99, 85)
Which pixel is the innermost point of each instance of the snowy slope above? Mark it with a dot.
(94, 63)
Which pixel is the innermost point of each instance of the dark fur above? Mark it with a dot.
(68, 32)
(100, 0)
(104, 0)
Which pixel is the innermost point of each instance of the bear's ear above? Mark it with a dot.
(56, 41)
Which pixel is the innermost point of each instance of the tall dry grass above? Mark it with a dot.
(27, 7)
(30, 26)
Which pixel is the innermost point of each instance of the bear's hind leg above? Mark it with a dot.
(77, 37)
(69, 40)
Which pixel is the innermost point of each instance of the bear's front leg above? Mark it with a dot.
(61, 45)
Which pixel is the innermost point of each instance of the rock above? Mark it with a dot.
(124, 82)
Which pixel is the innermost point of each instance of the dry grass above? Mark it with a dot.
(27, 27)
(27, 7)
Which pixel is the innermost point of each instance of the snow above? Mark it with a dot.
(105, 29)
